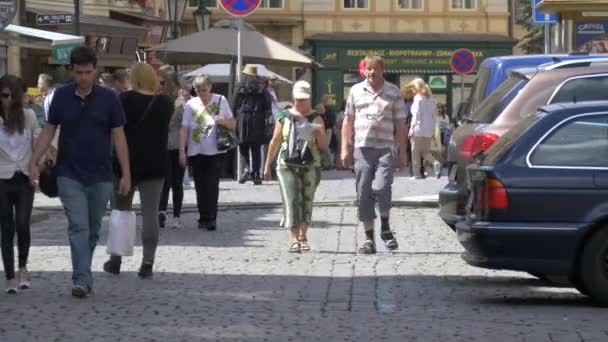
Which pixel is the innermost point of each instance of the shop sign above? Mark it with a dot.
(54, 19)
(8, 10)
(405, 58)
(592, 36)
(61, 53)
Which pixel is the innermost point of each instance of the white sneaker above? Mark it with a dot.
(24, 279)
(437, 169)
(11, 286)
(176, 223)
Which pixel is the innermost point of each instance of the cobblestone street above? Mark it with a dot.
(239, 283)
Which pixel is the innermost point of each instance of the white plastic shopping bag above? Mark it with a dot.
(121, 234)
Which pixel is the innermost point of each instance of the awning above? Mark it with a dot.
(54, 37)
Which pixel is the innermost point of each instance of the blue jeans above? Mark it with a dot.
(84, 206)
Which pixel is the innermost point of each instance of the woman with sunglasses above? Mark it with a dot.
(18, 131)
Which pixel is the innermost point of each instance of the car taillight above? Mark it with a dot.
(477, 143)
(493, 195)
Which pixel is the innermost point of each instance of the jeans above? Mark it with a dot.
(173, 182)
(374, 171)
(16, 200)
(206, 173)
(84, 207)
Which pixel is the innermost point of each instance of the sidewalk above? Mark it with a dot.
(337, 188)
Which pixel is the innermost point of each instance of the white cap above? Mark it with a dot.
(301, 90)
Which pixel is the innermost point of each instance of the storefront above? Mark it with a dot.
(406, 55)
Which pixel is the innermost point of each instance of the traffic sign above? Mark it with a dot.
(54, 19)
(8, 9)
(463, 61)
(540, 17)
(240, 8)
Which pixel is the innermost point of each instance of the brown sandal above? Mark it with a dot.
(304, 246)
(295, 248)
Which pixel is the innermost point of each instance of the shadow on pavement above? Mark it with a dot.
(212, 307)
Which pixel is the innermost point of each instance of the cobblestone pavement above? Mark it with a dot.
(239, 283)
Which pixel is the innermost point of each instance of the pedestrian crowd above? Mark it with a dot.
(143, 129)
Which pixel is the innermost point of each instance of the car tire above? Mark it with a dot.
(594, 267)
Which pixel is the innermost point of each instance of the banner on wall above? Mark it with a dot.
(592, 36)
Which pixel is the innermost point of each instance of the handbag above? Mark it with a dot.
(121, 233)
(115, 163)
(226, 138)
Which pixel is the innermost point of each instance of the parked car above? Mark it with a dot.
(494, 71)
(515, 99)
(538, 198)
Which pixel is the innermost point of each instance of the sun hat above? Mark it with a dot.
(250, 70)
(301, 90)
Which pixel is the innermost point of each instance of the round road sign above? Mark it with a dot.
(463, 61)
(8, 9)
(239, 8)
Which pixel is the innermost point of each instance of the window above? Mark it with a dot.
(580, 142)
(206, 3)
(489, 109)
(410, 4)
(271, 4)
(583, 89)
(356, 3)
(464, 4)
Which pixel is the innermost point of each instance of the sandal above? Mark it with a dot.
(295, 248)
(304, 246)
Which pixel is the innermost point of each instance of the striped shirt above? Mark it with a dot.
(375, 114)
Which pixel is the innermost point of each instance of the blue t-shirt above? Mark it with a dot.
(85, 147)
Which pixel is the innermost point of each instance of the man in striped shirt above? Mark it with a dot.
(376, 111)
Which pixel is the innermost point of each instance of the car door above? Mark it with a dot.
(568, 168)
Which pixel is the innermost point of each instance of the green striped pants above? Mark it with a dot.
(298, 185)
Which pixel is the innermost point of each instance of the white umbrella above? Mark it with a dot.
(220, 73)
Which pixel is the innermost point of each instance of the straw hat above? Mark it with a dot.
(250, 70)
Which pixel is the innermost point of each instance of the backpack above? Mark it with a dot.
(297, 151)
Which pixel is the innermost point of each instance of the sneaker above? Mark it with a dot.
(176, 223)
(244, 177)
(211, 225)
(80, 291)
(24, 279)
(11, 286)
(162, 219)
(368, 247)
(437, 169)
(257, 180)
(145, 271)
(389, 240)
(111, 267)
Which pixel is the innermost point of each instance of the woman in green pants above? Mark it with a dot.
(298, 133)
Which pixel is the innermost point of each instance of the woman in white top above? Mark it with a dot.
(18, 132)
(422, 128)
(202, 114)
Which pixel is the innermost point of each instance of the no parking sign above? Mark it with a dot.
(463, 61)
(240, 8)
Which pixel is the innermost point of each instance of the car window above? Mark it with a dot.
(494, 104)
(478, 91)
(583, 89)
(580, 142)
(506, 140)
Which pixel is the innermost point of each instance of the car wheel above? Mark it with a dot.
(594, 267)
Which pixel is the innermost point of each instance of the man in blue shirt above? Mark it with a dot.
(91, 118)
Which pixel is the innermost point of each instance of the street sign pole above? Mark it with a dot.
(547, 39)
(239, 67)
(77, 17)
(461, 87)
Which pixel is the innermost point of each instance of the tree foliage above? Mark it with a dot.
(533, 41)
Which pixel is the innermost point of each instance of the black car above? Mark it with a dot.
(538, 198)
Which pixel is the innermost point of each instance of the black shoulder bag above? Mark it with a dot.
(226, 138)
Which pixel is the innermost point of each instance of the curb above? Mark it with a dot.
(403, 203)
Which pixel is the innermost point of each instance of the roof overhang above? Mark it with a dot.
(560, 6)
(54, 37)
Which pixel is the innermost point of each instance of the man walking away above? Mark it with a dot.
(376, 110)
(90, 118)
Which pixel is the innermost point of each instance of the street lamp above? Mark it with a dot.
(202, 17)
(176, 14)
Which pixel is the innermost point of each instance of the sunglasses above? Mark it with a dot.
(6, 96)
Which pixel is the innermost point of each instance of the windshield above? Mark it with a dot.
(478, 91)
(494, 104)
